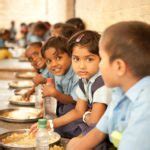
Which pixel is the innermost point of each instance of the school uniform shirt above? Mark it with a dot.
(129, 114)
(67, 83)
(45, 73)
(101, 95)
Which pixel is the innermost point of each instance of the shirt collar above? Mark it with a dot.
(93, 78)
(68, 75)
(134, 91)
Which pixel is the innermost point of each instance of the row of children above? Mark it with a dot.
(91, 72)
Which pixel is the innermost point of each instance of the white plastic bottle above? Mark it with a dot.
(38, 93)
(47, 102)
(42, 136)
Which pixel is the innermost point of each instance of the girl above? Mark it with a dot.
(92, 98)
(58, 62)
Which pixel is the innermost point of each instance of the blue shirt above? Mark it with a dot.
(129, 113)
(67, 83)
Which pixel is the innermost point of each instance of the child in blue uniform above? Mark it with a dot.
(125, 63)
(92, 98)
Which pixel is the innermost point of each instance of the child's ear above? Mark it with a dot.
(120, 67)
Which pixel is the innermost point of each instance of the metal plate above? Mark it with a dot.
(22, 114)
(21, 84)
(54, 138)
(25, 75)
(18, 100)
(21, 91)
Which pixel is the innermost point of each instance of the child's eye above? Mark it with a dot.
(75, 59)
(48, 61)
(89, 59)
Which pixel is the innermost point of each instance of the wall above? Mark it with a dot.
(98, 14)
(34, 10)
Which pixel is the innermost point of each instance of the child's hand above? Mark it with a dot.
(27, 95)
(38, 79)
(34, 129)
(49, 90)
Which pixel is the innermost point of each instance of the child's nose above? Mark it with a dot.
(82, 65)
(53, 63)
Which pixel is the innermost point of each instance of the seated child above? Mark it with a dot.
(125, 63)
(63, 29)
(58, 63)
(91, 96)
(33, 53)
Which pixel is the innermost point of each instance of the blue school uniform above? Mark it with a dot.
(93, 91)
(129, 114)
(67, 84)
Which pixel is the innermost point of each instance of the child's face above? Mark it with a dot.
(56, 31)
(34, 56)
(108, 70)
(85, 64)
(57, 63)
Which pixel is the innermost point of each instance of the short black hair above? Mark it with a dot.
(77, 22)
(59, 43)
(40, 26)
(86, 38)
(129, 41)
(36, 44)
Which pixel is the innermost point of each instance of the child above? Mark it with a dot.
(58, 63)
(63, 29)
(91, 98)
(127, 57)
(77, 23)
(33, 53)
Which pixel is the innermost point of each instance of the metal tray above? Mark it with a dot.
(21, 84)
(21, 91)
(25, 75)
(22, 114)
(14, 101)
(56, 138)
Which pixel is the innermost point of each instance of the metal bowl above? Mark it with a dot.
(22, 114)
(18, 100)
(56, 138)
(25, 75)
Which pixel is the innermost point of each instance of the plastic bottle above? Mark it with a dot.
(42, 136)
(38, 93)
(47, 101)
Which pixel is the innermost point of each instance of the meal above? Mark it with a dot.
(26, 74)
(21, 114)
(56, 147)
(21, 91)
(20, 98)
(26, 140)
(21, 84)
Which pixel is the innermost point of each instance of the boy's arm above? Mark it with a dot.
(76, 113)
(97, 111)
(88, 142)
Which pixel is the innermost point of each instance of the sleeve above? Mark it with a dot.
(136, 135)
(80, 94)
(46, 74)
(102, 125)
(102, 95)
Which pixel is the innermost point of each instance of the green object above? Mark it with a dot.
(42, 123)
(116, 137)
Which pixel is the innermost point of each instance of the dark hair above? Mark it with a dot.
(36, 44)
(129, 41)
(57, 25)
(86, 38)
(40, 26)
(59, 43)
(77, 22)
(67, 30)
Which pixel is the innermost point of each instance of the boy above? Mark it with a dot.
(128, 115)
